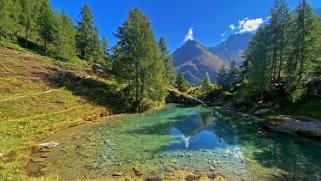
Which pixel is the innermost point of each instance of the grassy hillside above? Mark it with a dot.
(39, 97)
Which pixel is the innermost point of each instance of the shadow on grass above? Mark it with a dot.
(92, 90)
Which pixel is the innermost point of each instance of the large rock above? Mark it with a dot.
(49, 145)
(262, 111)
(294, 126)
(174, 96)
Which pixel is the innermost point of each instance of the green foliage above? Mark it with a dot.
(45, 23)
(170, 71)
(8, 16)
(227, 78)
(37, 23)
(65, 44)
(138, 63)
(222, 76)
(88, 44)
(233, 73)
(306, 49)
(207, 84)
(181, 84)
(105, 49)
(9, 44)
(284, 52)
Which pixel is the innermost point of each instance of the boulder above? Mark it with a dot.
(49, 145)
(262, 111)
(174, 96)
(294, 126)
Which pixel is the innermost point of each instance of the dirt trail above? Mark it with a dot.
(27, 95)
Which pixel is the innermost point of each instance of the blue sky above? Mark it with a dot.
(209, 19)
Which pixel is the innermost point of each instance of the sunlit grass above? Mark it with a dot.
(31, 108)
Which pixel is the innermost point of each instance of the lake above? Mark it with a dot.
(180, 138)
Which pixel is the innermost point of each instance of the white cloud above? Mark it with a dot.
(189, 35)
(232, 27)
(223, 34)
(249, 25)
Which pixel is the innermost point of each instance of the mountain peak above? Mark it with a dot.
(193, 60)
(232, 48)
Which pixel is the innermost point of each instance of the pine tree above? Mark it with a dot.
(233, 74)
(27, 18)
(170, 72)
(139, 57)
(105, 49)
(222, 77)
(257, 56)
(45, 23)
(97, 52)
(279, 22)
(181, 84)
(305, 51)
(87, 35)
(7, 18)
(65, 44)
(16, 11)
(207, 84)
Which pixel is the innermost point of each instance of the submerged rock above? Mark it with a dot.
(137, 171)
(212, 168)
(49, 145)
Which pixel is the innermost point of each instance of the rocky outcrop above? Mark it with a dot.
(174, 96)
(294, 126)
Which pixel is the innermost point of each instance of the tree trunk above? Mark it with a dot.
(26, 38)
(136, 86)
(281, 54)
(45, 46)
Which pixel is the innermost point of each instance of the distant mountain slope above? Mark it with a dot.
(232, 48)
(193, 60)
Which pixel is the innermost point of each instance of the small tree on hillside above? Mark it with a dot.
(170, 72)
(222, 77)
(207, 84)
(45, 22)
(233, 74)
(182, 84)
(64, 42)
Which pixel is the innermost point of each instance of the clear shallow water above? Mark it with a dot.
(182, 138)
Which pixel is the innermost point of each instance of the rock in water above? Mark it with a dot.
(212, 168)
(49, 145)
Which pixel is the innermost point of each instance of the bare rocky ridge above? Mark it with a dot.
(232, 48)
(193, 60)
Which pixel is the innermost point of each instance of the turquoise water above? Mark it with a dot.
(182, 138)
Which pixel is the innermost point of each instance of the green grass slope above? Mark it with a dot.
(39, 97)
